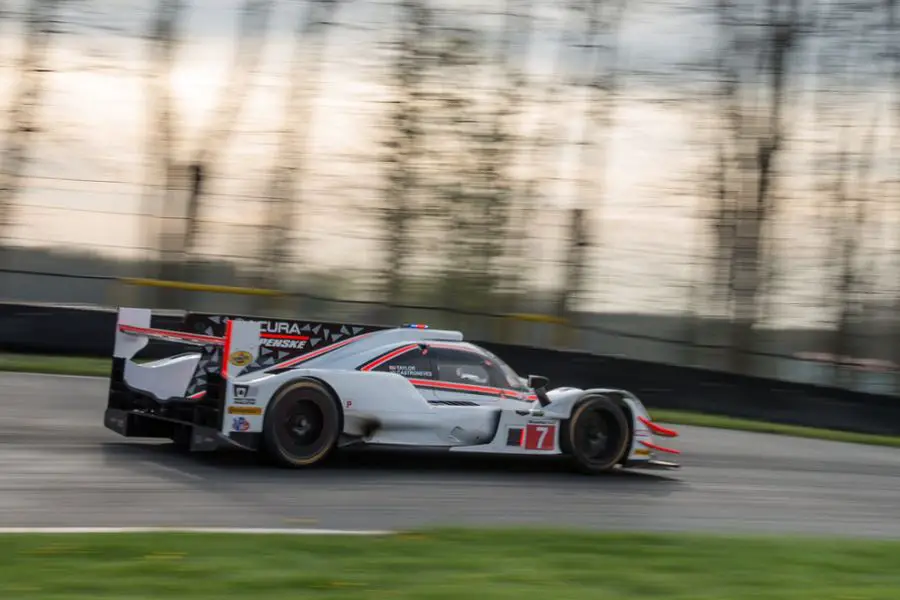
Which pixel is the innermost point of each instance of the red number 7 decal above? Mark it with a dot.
(540, 437)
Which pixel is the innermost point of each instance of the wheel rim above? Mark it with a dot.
(301, 427)
(597, 436)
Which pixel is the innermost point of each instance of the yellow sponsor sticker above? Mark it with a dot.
(641, 452)
(241, 358)
(244, 410)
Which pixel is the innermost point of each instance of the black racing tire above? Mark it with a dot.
(596, 435)
(303, 424)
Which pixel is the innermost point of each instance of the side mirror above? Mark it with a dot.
(537, 382)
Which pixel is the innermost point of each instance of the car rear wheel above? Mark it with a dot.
(302, 425)
(596, 435)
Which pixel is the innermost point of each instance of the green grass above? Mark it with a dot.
(68, 365)
(448, 565)
(704, 420)
(55, 365)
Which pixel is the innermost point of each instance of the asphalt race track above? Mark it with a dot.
(60, 467)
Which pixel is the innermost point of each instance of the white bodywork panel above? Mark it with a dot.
(380, 408)
(164, 379)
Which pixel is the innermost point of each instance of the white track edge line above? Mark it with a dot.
(236, 530)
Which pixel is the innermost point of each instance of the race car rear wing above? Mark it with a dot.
(225, 345)
(149, 400)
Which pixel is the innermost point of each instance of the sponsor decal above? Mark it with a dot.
(240, 424)
(240, 395)
(280, 328)
(241, 358)
(410, 371)
(284, 344)
(244, 410)
(641, 452)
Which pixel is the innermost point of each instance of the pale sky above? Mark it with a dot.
(86, 180)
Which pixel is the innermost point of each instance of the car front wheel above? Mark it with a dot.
(596, 435)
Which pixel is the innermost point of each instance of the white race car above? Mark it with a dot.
(297, 391)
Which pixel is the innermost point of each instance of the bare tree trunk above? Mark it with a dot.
(23, 114)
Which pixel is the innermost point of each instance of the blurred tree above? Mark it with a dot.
(160, 195)
(892, 19)
(497, 153)
(517, 227)
(184, 183)
(845, 169)
(757, 43)
(455, 124)
(22, 121)
(725, 199)
(404, 146)
(283, 195)
(604, 19)
(253, 25)
(538, 152)
(473, 147)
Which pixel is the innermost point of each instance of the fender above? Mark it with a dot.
(563, 401)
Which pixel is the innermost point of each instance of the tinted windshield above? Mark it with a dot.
(512, 378)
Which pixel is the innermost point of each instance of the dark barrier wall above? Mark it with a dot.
(70, 331)
(44, 329)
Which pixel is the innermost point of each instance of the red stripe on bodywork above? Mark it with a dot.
(227, 349)
(182, 335)
(653, 446)
(458, 387)
(658, 429)
(296, 361)
(276, 336)
(393, 354)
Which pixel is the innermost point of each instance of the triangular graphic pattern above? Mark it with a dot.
(214, 325)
